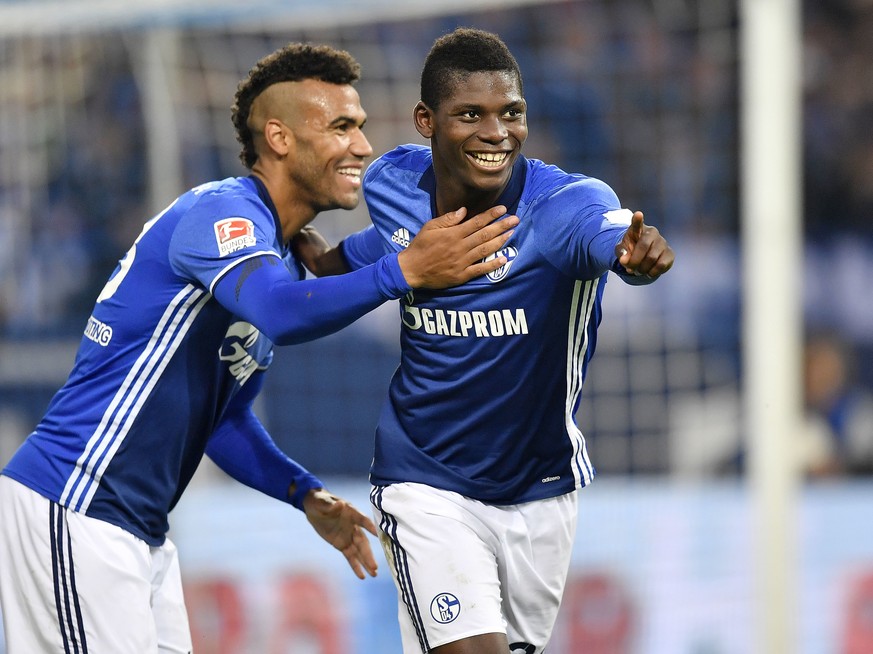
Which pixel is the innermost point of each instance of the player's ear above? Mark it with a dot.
(278, 137)
(422, 116)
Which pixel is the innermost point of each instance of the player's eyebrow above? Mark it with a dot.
(474, 106)
(467, 106)
(340, 121)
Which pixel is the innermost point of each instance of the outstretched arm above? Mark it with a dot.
(447, 251)
(583, 232)
(288, 310)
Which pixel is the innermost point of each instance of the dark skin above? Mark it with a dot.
(476, 135)
(342, 525)
(483, 118)
(643, 251)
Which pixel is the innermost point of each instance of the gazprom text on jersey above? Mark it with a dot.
(451, 322)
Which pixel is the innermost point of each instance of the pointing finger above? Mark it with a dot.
(636, 226)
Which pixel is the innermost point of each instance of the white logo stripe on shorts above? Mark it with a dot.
(63, 575)
(388, 524)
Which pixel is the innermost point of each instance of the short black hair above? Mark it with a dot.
(292, 63)
(455, 55)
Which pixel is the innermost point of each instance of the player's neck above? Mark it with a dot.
(294, 213)
(475, 201)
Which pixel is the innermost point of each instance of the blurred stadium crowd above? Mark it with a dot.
(643, 97)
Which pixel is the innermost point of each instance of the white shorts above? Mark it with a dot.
(73, 584)
(464, 568)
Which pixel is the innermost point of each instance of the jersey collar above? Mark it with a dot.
(264, 195)
(510, 197)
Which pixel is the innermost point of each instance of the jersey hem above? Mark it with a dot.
(524, 498)
(36, 488)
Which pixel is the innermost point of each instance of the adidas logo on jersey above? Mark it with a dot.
(401, 237)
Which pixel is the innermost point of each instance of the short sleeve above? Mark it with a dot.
(218, 232)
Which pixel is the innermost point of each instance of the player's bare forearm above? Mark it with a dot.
(449, 250)
(643, 251)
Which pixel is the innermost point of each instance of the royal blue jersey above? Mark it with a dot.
(162, 359)
(485, 397)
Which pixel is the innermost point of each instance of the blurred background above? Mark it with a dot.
(105, 116)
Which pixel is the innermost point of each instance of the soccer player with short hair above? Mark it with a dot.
(478, 456)
(174, 354)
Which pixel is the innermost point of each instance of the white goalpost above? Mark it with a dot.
(772, 320)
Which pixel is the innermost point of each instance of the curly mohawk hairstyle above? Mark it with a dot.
(292, 63)
(459, 53)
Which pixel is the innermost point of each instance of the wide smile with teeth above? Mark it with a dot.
(489, 159)
(354, 173)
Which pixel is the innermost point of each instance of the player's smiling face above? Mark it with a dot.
(476, 135)
(329, 148)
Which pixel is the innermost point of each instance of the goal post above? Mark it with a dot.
(772, 317)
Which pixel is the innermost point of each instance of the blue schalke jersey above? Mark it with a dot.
(491, 372)
(159, 362)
